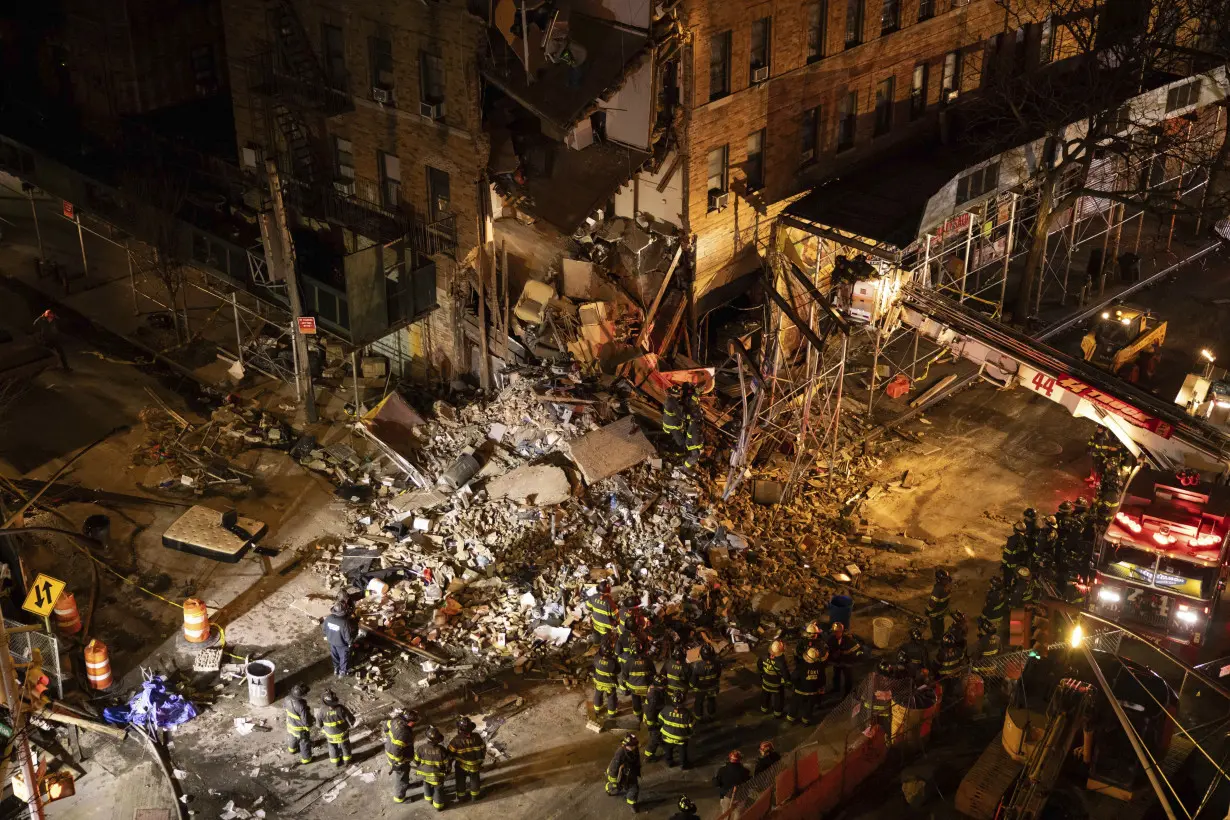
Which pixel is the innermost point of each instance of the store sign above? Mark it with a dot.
(68, 209)
(307, 325)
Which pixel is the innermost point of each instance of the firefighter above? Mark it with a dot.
(602, 610)
(687, 810)
(1099, 449)
(812, 636)
(960, 627)
(606, 678)
(774, 674)
(808, 685)
(468, 750)
(677, 723)
(769, 757)
(937, 604)
(431, 763)
(729, 778)
(878, 697)
(628, 630)
(336, 722)
(949, 662)
(399, 749)
(705, 677)
(1025, 591)
(1030, 517)
(340, 631)
(299, 723)
(1015, 551)
(678, 673)
(995, 605)
(917, 656)
(637, 674)
(673, 417)
(844, 650)
(623, 773)
(695, 442)
(987, 648)
(654, 703)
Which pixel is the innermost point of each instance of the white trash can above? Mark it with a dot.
(881, 632)
(260, 683)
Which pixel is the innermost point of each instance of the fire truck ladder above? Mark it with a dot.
(1149, 427)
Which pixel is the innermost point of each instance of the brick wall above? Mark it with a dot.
(797, 85)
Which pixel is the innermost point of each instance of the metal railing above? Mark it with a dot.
(331, 97)
(23, 644)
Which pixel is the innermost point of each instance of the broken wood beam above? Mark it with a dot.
(935, 390)
(835, 315)
(83, 723)
(647, 324)
(409, 647)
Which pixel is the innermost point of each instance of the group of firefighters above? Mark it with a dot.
(431, 761)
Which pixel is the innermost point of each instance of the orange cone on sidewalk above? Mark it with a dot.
(97, 664)
(68, 620)
(196, 621)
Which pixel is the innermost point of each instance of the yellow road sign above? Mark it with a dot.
(44, 593)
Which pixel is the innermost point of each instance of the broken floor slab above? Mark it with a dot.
(611, 449)
(540, 485)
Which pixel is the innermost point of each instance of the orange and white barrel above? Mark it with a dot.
(196, 621)
(97, 664)
(68, 620)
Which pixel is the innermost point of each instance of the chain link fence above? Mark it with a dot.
(22, 646)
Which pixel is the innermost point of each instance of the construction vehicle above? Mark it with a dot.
(1118, 338)
(1032, 756)
(1162, 561)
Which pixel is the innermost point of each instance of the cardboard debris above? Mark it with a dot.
(611, 450)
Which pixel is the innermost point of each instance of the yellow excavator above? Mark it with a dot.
(1118, 338)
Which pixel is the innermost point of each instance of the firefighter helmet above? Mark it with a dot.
(412, 716)
(1030, 514)
(735, 756)
(812, 630)
(985, 627)
(706, 652)
(338, 609)
(329, 698)
(630, 740)
(1052, 521)
(299, 690)
(685, 804)
(916, 634)
(433, 735)
(766, 746)
(949, 639)
(677, 696)
(1023, 573)
(1065, 507)
(1082, 503)
(942, 575)
(1019, 528)
(604, 586)
(884, 667)
(812, 655)
(465, 725)
(958, 617)
(777, 649)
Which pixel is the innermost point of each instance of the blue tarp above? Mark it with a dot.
(153, 707)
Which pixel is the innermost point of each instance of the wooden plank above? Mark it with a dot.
(939, 386)
(657, 300)
(787, 309)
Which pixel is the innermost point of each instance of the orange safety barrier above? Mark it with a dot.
(68, 620)
(196, 621)
(97, 664)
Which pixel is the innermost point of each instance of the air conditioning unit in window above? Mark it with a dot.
(432, 111)
(808, 155)
(951, 94)
(759, 75)
(344, 186)
(718, 199)
(382, 95)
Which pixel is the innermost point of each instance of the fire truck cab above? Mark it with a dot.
(1162, 561)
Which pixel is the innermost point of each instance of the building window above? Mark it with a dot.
(719, 65)
(381, 51)
(847, 119)
(1046, 41)
(762, 36)
(884, 105)
(926, 10)
(890, 16)
(204, 70)
(810, 135)
(978, 183)
(343, 158)
(854, 22)
(431, 79)
(716, 182)
(950, 84)
(390, 181)
(990, 58)
(918, 91)
(817, 16)
(1120, 120)
(754, 169)
(334, 54)
(438, 203)
(1181, 96)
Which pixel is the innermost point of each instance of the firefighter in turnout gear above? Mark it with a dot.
(808, 687)
(606, 678)
(655, 701)
(987, 648)
(937, 604)
(399, 749)
(623, 774)
(878, 697)
(677, 724)
(637, 674)
(960, 627)
(844, 650)
(673, 417)
(695, 442)
(1016, 551)
(706, 676)
(917, 656)
(948, 662)
(431, 763)
(995, 605)
(1030, 517)
(468, 750)
(336, 722)
(774, 674)
(340, 632)
(299, 723)
(1047, 541)
(678, 673)
(602, 610)
(1025, 591)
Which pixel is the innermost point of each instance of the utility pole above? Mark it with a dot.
(302, 366)
(12, 695)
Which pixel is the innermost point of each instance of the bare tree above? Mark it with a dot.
(159, 190)
(1105, 52)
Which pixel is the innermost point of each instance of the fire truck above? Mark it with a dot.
(1163, 561)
